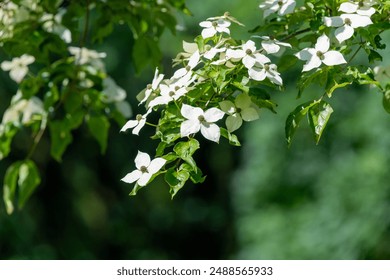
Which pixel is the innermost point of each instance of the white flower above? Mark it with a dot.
(242, 109)
(320, 54)
(248, 54)
(86, 56)
(212, 52)
(197, 120)
(152, 87)
(52, 24)
(193, 61)
(168, 93)
(283, 7)
(18, 67)
(261, 71)
(145, 169)
(346, 24)
(112, 93)
(272, 45)
(213, 27)
(137, 124)
(359, 7)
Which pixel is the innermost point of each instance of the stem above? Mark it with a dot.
(354, 54)
(151, 124)
(86, 24)
(296, 34)
(37, 138)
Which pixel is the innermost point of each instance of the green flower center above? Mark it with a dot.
(139, 117)
(149, 86)
(171, 93)
(143, 169)
(177, 88)
(201, 118)
(266, 67)
(347, 21)
(248, 52)
(361, 4)
(215, 24)
(280, 3)
(320, 54)
(188, 68)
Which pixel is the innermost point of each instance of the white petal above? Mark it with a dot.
(236, 54)
(141, 124)
(249, 45)
(211, 132)
(348, 7)
(233, 123)
(145, 177)
(18, 74)
(194, 59)
(333, 58)
(287, 8)
(142, 159)
(129, 124)
(358, 20)
(7, 65)
(180, 73)
(333, 21)
(160, 100)
(322, 44)
(208, 32)
(249, 61)
(314, 62)
(366, 11)
(249, 114)
(270, 46)
(157, 79)
(275, 78)
(156, 165)
(190, 47)
(261, 58)
(132, 177)
(206, 24)
(223, 29)
(227, 106)
(223, 23)
(191, 113)
(306, 54)
(213, 115)
(343, 33)
(27, 59)
(257, 74)
(189, 127)
(243, 101)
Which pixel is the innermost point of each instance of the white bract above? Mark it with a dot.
(247, 53)
(272, 45)
(197, 119)
(314, 57)
(213, 27)
(261, 71)
(283, 7)
(168, 93)
(18, 67)
(359, 7)
(193, 61)
(153, 86)
(145, 169)
(137, 124)
(346, 24)
(242, 109)
(86, 56)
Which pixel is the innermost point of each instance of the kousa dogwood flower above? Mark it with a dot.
(242, 109)
(213, 51)
(363, 8)
(261, 71)
(153, 86)
(168, 93)
(197, 119)
(18, 67)
(137, 124)
(271, 45)
(213, 27)
(282, 7)
(346, 24)
(314, 57)
(247, 53)
(192, 63)
(189, 50)
(145, 169)
(86, 56)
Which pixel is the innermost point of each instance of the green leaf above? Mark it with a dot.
(99, 126)
(319, 115)
(336, 86)
(386, 101)
(9, 187)
(295, 117)
(28, 180)
(186, 149)
(176, 179)
(6, 137)
(233, 140)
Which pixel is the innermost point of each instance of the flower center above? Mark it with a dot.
(226, 14)
(207, 48)
(271, 37)
(143, 169)
(280, 3)
(266, 67)
(248, 52)
(215, 24)
(361, 4)
(238, 110)
(188, 68)
(149, 86)
(201, 118)
(347, 21)
(171, 93)
(227, 45)
(320, 54)
(177, 88)
(139, 117)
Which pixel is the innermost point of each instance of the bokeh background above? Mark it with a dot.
(260, 201)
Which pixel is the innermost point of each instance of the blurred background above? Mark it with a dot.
(259, 201)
